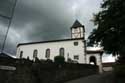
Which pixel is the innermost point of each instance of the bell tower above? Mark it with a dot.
(77, 30)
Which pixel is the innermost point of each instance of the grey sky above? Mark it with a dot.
(39, 20)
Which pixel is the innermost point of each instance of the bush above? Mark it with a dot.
(59, 59)
(37, 60)
(69, 60)
(49, 61)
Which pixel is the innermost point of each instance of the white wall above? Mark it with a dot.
(77, 32)
(107, 68)
(54, 49)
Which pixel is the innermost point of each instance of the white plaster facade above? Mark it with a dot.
(70, 50)
(75, 52)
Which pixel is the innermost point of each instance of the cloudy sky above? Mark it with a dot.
(39, 20)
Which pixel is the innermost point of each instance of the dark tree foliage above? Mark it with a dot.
(110, 32)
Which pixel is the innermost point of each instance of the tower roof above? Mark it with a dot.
(77, 24)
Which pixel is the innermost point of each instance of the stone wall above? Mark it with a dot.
(45, 72)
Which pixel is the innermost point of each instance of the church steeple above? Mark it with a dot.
(77, 24)
(77, 30)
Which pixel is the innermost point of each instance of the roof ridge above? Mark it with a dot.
(49, 41)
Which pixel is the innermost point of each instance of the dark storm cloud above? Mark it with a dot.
(39, 20)
(6, 7)
(44, 20)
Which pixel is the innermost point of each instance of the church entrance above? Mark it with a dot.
(92, 60)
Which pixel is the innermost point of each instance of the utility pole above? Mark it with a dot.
(10, 21)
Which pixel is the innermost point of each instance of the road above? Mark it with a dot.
(98, 78)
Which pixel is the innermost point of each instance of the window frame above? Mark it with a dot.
(21, 54)
(35, 53)
(76, 43)
(62, 51)
(76, 57)
(47, 55)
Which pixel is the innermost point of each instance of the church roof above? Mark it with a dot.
(4, 55)
(49, 41)
(77, 24)
(90, 50)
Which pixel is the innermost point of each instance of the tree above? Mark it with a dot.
(110, 32)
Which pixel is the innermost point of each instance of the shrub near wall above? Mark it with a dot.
(59, 59)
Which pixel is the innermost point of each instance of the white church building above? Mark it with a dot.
(73, 48)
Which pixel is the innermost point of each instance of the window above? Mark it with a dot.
(47, 53)
(76, 57)
(35, 52)
(61, 51)
(75, 43)
(21, 54)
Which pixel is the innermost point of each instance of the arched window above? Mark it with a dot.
(21, 54)
(61, 51)
(92, 60)
(47, 53)
(35, 52)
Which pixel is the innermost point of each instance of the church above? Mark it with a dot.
(74, 48)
